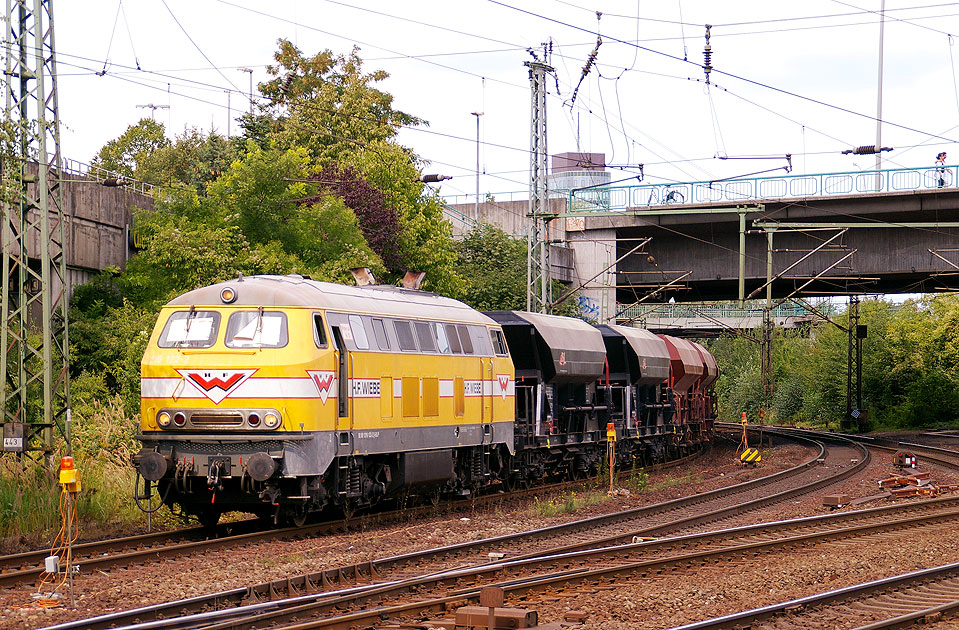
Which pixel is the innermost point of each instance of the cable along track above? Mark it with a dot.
(604, 530)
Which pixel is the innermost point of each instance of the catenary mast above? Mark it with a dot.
(33, 340)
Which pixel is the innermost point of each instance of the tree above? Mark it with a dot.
(125, 154)
(329, 106)
(193, 159)
(493, 265)
(268, 196)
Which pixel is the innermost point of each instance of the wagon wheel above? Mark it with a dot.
(209, 518)
(297, 517)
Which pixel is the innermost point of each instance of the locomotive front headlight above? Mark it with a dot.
(163, 419)
(271, 420)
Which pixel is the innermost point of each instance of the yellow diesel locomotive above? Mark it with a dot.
(281, 396)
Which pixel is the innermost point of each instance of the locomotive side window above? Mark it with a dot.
(481, 341)
(454, 339)
(441, 341)
(404, 334)
(465, 340)
(359, 333)
(425, 336)
(379, 331)
(319, 331)
(256, 329)
(190, 329)
(499, 344)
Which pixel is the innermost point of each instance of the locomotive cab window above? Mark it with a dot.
(319, 331)
(256, 329)
(190, 329)
(499, 343)
(441, 341)
(360, 339)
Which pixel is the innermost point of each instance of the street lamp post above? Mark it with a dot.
(250, 72)
(477, 114)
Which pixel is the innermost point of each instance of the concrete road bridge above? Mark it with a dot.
(863, 232)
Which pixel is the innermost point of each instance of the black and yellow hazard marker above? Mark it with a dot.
(750, 456)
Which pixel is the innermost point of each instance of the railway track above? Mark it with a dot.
(920, 597)
(565, 575)
(26, 567)
(603, 531)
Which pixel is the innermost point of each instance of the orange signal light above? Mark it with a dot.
(66, 463)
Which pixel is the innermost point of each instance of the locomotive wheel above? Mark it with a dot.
(296, 517)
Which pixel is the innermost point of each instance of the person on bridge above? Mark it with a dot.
(941, 169)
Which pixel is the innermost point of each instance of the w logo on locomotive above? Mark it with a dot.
(216, 384)
(503, 384)
(324, 382)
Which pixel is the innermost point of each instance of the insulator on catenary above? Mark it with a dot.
(707, 55)
(869, 149)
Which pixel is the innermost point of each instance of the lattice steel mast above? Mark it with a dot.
(539, 290)
(33, 340)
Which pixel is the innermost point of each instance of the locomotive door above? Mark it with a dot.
(486, 369)
(344, 417)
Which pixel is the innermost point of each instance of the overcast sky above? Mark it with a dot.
(798, 78)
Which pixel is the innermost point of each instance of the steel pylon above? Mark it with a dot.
(539, 286)
(33, 341)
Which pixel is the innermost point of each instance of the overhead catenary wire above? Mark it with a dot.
(725, 73)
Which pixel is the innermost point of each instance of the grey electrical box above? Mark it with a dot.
(13, 437)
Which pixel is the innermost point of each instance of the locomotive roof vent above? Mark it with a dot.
(363, 276)
(413, 279)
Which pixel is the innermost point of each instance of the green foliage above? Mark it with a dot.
(180, 255)
(910, 368)
(567, 503)
(125, 154)
(193, 159)
(325, 99)
(638, 479)
(327, 105)
(106, 349)
(493, 265)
